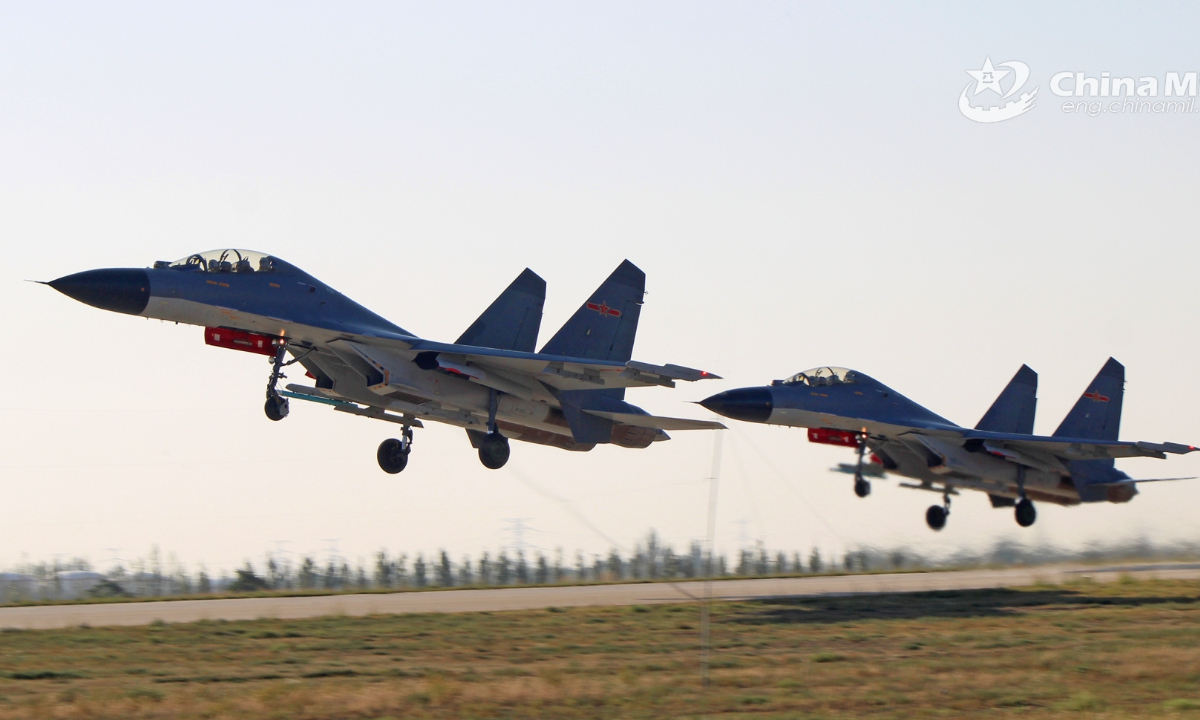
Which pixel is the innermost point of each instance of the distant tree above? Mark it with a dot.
(445, 573)
(781, 563)
(385, 572)
(486, 571)
(615, 566)
(637, 562)
(762, 564)
(329, 580)
(670, 563)
(580, 568)
(814, 561)
(503, 568)
(559, 570)
(542, 574)
(203, 583)
(309, 575)
(247, 581)
(522, 568)
(597, 567)
(401, 570)
(797, 563)
(465, 577)
(695, 565)
(360, 577)
(744, 562)
(419, 571)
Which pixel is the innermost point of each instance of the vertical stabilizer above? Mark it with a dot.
(1014, 409)
(603, 328)
(512, 321)
(1097, 415)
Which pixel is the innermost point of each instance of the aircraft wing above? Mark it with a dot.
(1076, 448)
(561, 372)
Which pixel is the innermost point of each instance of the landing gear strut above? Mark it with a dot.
(937, 515)
(393, 454)
(1025, 512)
(862, 488)
(493, 449)
(276, 407)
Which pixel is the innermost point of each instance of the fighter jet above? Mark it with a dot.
(1001, 456)
(490, 381)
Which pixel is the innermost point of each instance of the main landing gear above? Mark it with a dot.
(862, 488)
(276, 407)
(1025, 512)
(393, 453)
(493, 449)
(937, 515)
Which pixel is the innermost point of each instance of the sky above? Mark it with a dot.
(796, 180)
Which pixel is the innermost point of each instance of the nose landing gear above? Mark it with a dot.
(276, 407)
(862, 488)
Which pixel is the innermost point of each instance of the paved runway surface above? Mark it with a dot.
(144, 613)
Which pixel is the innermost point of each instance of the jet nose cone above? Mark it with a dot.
(749, 404)
(119, 290)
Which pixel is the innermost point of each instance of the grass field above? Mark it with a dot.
(1125, 649)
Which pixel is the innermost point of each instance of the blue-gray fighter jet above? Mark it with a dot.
(1000, 456)
(490, 381)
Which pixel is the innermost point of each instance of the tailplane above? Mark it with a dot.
(1014, 409)
(603, 328)
(1097, 415)
(512, 321)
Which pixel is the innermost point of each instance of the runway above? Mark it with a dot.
(532, 598)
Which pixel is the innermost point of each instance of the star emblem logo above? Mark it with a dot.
(988, 78)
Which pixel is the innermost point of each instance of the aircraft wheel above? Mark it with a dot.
(276, 408)
(935, 516)
(494, 451)
(862, 488)
(392, 456)
(1026, 513)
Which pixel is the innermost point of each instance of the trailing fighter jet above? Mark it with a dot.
(1001, 456)
(490, 381)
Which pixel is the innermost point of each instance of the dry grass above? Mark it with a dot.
(1128, 649)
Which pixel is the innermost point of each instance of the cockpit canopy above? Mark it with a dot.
(822, 376)
(224, 261)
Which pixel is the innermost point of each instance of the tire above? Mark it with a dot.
(1026, 513)
(494, 451)
(392, 456)
(276, 408)
(862, 488)
(935, 517)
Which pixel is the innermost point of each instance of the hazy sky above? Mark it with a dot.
(796, 180)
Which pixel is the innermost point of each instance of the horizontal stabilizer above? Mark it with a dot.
(868, 469)
(1135, 481)
(655, 422)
